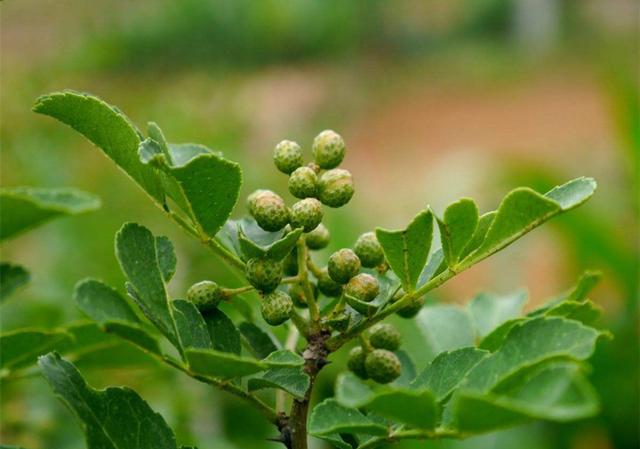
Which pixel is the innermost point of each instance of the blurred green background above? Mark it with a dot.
(436, 100)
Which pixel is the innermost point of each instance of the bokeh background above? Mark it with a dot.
(436, 100)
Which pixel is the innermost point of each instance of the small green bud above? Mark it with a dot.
(276, 307)
(335, 187)
(205, 295)
(385, 336)
(269, 210)
(306, 214)
(369, 250)
(290, 263)
(303, 182)
(287, 156)
(343, 265)
(328, 286)
(363, 287)
(264, 274)
(318, 238)
(382, 366)
(328, 149)
(356, 362)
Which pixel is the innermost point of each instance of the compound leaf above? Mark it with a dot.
(102, 303)
(224, 334)
(222, 365)
(407, 250)
(114, 418)
(457, 227)
(290, 379)
(444, 328)
(259, 342)
(329, 417)
(24, 208)
(191, 327)
(488, 311)
(12, 278)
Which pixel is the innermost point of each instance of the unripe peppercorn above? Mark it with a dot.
(343, 265)
(296, 292)
(205, 295)
(318, 238)
(269, 210)
(382, 366)
(303, 182)
(363, 287)
(385, 336)
(369, 250)
(306, 214)
(328, 286)
(412, 309)
(264, 274)
(253, 198)
(328, 149)
(287, 156)
(335, 187)
(276, 307)
(356, 362)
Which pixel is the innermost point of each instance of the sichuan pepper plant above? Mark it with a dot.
(489, 366)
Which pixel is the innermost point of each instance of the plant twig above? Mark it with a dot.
(314, 311)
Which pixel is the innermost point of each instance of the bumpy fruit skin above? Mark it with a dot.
(287, 156)
(303, 183)
(306, 214)
(264, 274)
(318, 238)
(382, 366)
(363, 287)
(343, 265)
(335, 187)
(276, 307)
(328, 286)
(356, 362)
(369, 250)
(412, 309)
(205, 295)
(385, 336)
(269, 210)
(328, 149)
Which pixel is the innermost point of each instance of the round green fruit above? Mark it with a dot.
(328, 286)
(306, 214)
(363, 287)
(303, 182)
(369, 250)
(385, 336)
(269, 210)
(343, 265)
(382, 366)
(264, 274)
(335, 187)
(276, 307)
(328, 149)
(287, 156)
(356, 362)
(411, 310)
(318, 238)
(205, 295)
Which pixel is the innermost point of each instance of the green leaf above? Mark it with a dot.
(135, 335)
(456, 228)
(284, 358)
(555, 391)
(530, 343)
(445, 373)
(586, 312)
(22, 347)
(107, 128)
(206, 187)
(102, 303)
(24, 208)
(407, 250)
(259, 342)
(276, 250)
(12, 278)
(114, 418)
(488, 311)
(577, 293)
(407, 369)
(224, 334)
(434, 267)
(329, 417)
(496, 337)
(288, 378)
(524, 209)
(444, 328)
(222, 365)
(362, 307)
(166, 257)
(136, 252)
(479, 234)
(335, 440)
(191, 327)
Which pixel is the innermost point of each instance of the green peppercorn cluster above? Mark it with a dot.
(376, 360)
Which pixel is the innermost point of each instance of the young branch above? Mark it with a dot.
(303, 276)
